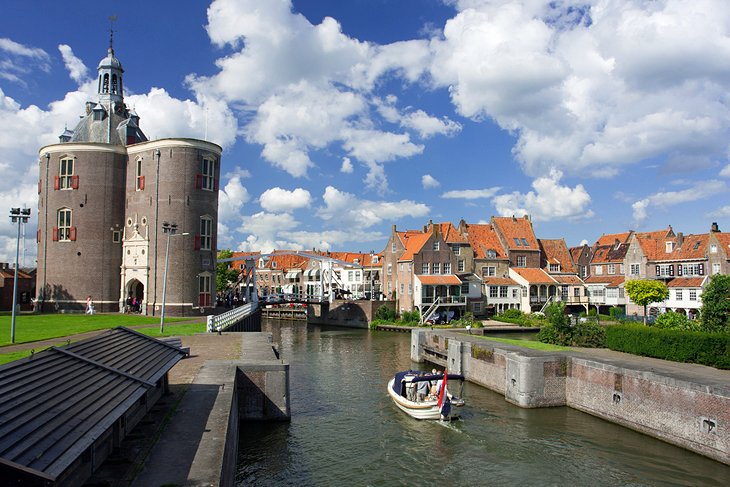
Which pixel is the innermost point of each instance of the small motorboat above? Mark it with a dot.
(437, 404)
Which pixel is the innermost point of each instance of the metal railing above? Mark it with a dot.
(444, 299)
(224, 320)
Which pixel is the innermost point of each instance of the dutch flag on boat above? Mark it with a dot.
(443, 404)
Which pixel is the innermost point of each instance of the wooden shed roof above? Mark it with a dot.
(56, 403)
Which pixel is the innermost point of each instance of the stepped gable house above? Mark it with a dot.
(104, 192)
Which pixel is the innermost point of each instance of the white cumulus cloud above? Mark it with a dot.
(549, 200)
(345, 208)
(281, 200)
(471, 194)
(428, 181)
(665, 199)
(346, 166)
(76, 68)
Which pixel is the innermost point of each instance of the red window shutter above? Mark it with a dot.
(72, 234)
(197, 242)
(55, 234)
(201, 298)
(215, 184)
(39, 186)
(74, 182)
(198, 181)
(141, 182)
(38, 236)
(56, 183)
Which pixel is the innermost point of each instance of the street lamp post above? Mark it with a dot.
(372, 291)
(20, 216)
(170, 229)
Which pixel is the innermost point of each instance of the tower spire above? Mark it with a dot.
(112, 19)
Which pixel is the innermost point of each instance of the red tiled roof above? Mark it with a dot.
(567, 278)
(693, 247)
(482, 238)
(610, 281)
(445, 279)
(610, 239)
(556, 252)
(10, 273)
(414, 243)
(724, 241)
(450, 233)
(653, 244)
(535, 276)
(516, 228)
(686, 282)
(499, 281)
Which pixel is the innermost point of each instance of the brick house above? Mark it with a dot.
(26, 288)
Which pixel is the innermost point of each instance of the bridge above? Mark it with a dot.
(248, 316)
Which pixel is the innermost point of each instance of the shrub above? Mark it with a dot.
(705, 348)
(676, 321)
(512, 314)
(384, 313)
(615, 312)
(410, 317)
(586, 334)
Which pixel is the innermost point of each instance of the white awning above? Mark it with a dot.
(312, 273)
(292, 274)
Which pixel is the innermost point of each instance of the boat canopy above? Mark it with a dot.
(417, 377)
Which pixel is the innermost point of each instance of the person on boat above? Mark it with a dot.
(422, 390)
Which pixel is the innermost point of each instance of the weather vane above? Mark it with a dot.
(112, 19)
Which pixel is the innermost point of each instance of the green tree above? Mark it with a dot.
(644, 293)
(224, 276)
(715, 312)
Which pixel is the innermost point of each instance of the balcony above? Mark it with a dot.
(457, 300)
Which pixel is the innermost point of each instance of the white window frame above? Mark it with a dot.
(634, 269)
(460, 266)
(457, 249)
(206, 232)
(598, 270)
(611, 269)
(65, 173)
(554, 267)
(436, 268)
(436, 246)
(521, 261)
(447, 267)
(204, 288)
(713, 248)
(207, 171)
(425, 268)
(664, 270)
(678, 295)
(489, 271)
(64, 223)
(715, 268)
(691, 270)
(693, 294)
(138, 178)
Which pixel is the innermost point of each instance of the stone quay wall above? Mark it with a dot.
(683, 412)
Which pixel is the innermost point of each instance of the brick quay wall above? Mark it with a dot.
(683, 404)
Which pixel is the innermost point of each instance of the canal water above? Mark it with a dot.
(345, 431)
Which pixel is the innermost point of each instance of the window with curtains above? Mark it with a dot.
(64, 231)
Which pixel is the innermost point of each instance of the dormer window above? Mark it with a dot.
(273, 265)
(697, 245)
(491, 254)
(669, 247)
(554, 267)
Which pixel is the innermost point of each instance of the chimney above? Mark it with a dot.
(680, 239)
(393, 228)
(714, 228)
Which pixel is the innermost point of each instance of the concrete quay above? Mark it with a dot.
(687, 405)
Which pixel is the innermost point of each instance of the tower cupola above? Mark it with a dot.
(110, 88)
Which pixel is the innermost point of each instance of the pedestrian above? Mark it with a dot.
(89, 306)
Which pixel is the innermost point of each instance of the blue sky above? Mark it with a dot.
(339, 119)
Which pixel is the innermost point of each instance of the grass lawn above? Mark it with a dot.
(171, 329)
(33, 327)
(528, 344)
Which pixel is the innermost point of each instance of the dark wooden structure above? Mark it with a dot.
(63, 410)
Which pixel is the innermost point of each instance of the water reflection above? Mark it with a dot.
(345, 431)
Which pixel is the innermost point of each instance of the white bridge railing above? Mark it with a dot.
(224, 320)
